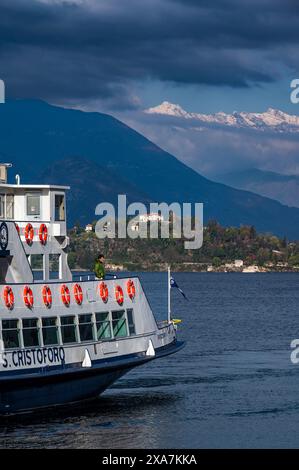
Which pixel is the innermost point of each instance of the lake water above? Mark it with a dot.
(232, 386)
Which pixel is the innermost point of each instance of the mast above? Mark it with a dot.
(169, 289)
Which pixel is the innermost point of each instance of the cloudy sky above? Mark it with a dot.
(121, 56)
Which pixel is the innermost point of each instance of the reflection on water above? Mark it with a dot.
(232, 386)
(110, 422)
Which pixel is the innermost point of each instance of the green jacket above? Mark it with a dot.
(99, 269)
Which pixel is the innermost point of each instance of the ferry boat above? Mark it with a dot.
(63, 340)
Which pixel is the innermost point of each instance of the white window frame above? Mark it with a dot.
(4, 216)
(37, 194)
(59, 193)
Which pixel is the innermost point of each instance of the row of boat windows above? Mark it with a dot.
(51, 331)
(33, 205)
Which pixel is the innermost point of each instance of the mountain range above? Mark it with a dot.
(272, 119)
(100, 157)
(283, 188)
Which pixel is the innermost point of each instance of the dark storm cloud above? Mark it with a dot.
(98, 49)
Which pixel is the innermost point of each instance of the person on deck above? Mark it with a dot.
(99, 268)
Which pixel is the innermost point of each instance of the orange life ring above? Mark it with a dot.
(47, 296)
(28, 297)
(119, 295)
(78, 293)
(43, 234)
(104, 293)
(9, 297)
(131, 289)
(29, 234)
(65, 295)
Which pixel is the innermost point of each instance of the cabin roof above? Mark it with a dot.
(34, 186)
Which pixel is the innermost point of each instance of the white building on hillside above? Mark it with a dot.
(239, 263)
(152, 217)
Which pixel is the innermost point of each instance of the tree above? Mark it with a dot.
(72, 259)
(294, 260)
(252, 233)
(263, 255)
(216, 262)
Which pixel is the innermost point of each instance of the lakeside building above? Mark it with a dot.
(88, 228)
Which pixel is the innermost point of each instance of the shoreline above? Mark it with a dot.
(174, 268)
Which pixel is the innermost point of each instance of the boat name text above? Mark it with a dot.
(32, 357)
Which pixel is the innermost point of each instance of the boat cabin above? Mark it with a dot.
(35, 220)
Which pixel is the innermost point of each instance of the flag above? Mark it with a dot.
(173, 283)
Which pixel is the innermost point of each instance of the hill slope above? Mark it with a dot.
(34, 134)
(90, 184)
(283, 188)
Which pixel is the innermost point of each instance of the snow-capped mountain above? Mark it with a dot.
(270, 119)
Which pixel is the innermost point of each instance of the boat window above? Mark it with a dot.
(2, 206)
(30, 332)
(6, 206)
(36, 261)
(10, 334)
(103, 325)
(33, 204)
(54, 265)
(68, 329)
(50, 331)
(131, 323)
(119, 324)
(9, 206)
(59, 207)
(86, 327)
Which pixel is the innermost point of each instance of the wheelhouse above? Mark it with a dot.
(38, 214)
